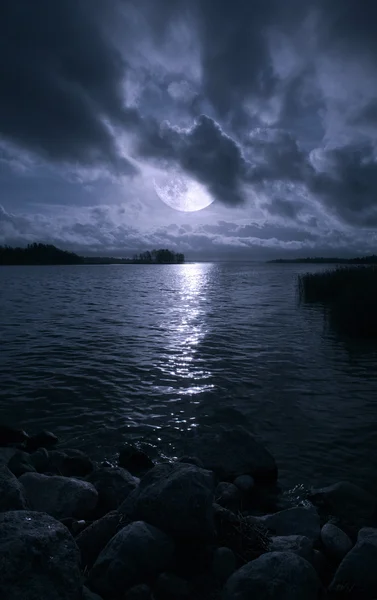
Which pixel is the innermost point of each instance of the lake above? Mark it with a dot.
(104, 354)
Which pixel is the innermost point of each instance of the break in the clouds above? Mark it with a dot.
(268, 109)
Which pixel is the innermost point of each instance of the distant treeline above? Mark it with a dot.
(47, 254)
(363, 260)
(38, 254)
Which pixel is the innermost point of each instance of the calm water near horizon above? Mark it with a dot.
(104, 354)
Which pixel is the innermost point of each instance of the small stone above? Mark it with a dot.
(139, 592)
(59, 496)
(44, 439)
(135, 554)
(12, 496)
(245, 483)
(21, 463)
(223, 563)
(170, 587)
(113, 486)
(228, 495)
(10, 435)
(274, 576)
(336, 543)
(134, 460)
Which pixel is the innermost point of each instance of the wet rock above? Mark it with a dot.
(350, 503)
(139, 592)
(93, 539)
(298, 544)
(274, 576)
(59, 496)
(223, 564)
(134, 460)
(39, 558)
(177, 498)
(170, 587)
(5, 455)
(245, 483)
(357, 571)
(228, 495)
(10, 435)
(113, 486)
(322, 567)
(231, 452)
(40, 460)
(366, 532)
(20, 463)
(293, 521)
(88, 595)
(335, 542)
(56, 460)
(191, 460)
(44, 439)
(76, 464)
(12, 495)
(136, 553)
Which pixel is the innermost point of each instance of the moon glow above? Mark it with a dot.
(182, 194)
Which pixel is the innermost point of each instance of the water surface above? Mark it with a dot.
(103, 354)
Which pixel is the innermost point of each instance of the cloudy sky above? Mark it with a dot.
(115, 113)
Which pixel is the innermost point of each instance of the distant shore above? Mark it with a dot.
(47, 254)
(363, 260)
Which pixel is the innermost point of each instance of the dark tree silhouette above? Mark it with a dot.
(38, 254)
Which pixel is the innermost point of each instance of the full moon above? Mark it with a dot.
(182, 194)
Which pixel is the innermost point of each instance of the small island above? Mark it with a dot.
(363, 260)
(47, 254)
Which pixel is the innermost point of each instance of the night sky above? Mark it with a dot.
(263, 111)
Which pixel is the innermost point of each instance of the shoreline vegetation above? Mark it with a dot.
(348, 296)
(47, 254)
(361, 260)
(211, 525)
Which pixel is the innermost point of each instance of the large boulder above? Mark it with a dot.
(12, 495)
(231, 452)
(39, 558)
(113, 486)
(177, 498)
(94, 538)
(59, 497)
(6, 454)
(366, 532)
(274, 576)
(293, 521)
(357, 571)
(136, 553)
(348, 502)
(335, 541)
(298, 544)
(134, 460)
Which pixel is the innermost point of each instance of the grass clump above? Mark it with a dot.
(349, 296)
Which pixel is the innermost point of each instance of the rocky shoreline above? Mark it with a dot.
(208, 526)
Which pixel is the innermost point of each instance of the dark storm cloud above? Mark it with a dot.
(257, 86)
(61, 78)
(347, 180)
